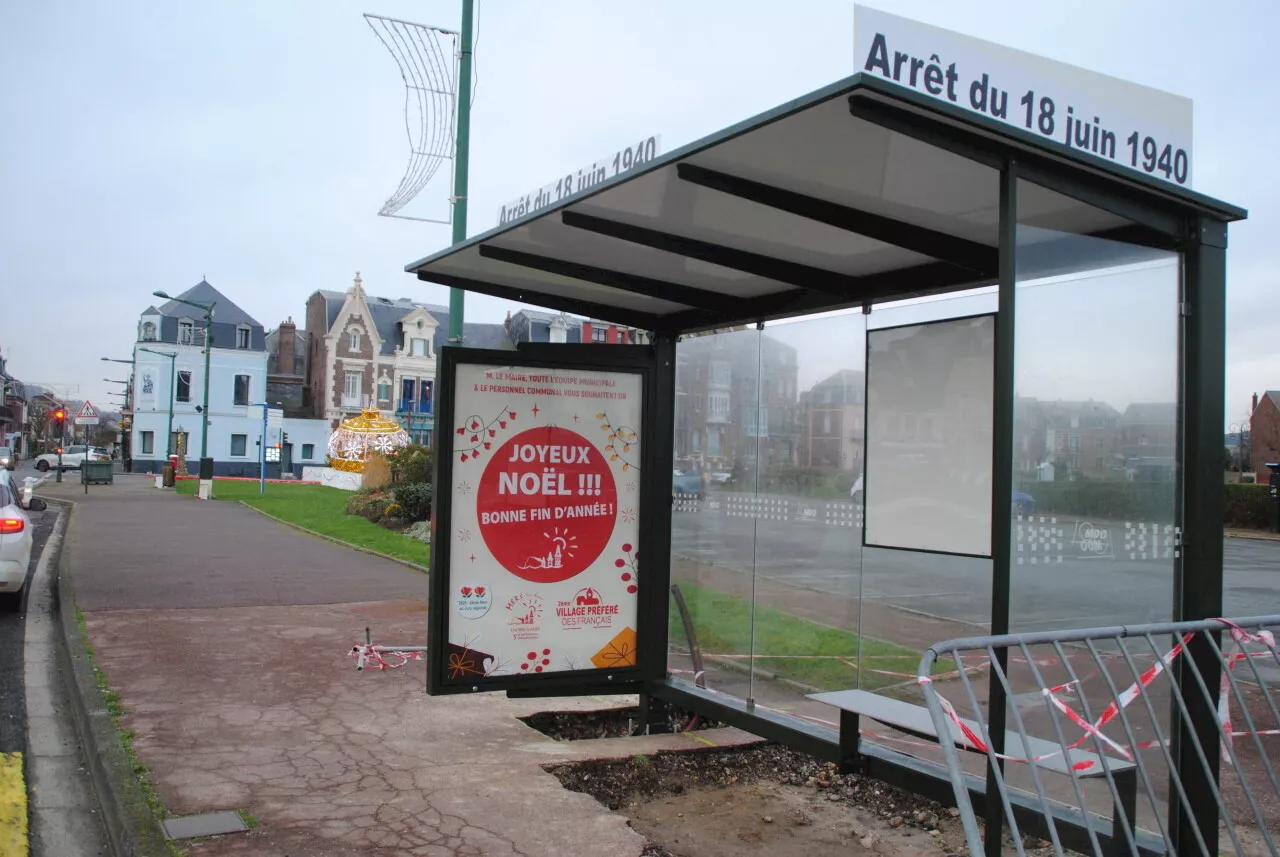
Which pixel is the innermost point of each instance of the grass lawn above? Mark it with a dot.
(319, 508)
(723, 625)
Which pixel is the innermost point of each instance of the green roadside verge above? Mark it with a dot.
(318, 508)
(724, 625)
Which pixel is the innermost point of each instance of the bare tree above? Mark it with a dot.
(39, 421)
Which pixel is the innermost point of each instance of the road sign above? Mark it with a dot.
(275, 418)
(88, 415)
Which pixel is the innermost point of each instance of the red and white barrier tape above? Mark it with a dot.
(367, 654)
(1240, 636)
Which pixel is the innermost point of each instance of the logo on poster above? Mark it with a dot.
(524, 612)
(472, 601)
(547, 504)
(586, 610)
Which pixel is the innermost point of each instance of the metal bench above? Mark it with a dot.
(916, 720)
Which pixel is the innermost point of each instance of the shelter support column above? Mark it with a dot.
(1199, 578)
(655, 572)
(1002, 481)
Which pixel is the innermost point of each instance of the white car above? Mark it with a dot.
(15, 542)
(855, 493)
(72, 457)
(7, 459)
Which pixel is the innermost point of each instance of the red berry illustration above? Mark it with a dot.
(511, 414)
(492, 433)
(461, 431)
(620, 562)
(631, 590)
(626, 548)
(474, 438)
(546, 651)
(546, 662)
(524, 666)
(533, 656)
(502, 423)
(537, 669)
(626, 577)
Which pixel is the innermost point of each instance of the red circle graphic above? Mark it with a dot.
(547, 504)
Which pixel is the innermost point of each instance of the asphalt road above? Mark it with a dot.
(13, 704)
(1091, 585)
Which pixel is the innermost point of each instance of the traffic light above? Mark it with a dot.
(284, 438)
(60, 421)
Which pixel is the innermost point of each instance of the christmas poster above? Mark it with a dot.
(544, 541)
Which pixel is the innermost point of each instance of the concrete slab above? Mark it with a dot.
(61, 782)
(204, 824)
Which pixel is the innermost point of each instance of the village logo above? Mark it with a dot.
(473, 601)
(525, 611)
(1093, 541)
(587, 610)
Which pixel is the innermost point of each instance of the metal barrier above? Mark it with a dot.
(1139, 740)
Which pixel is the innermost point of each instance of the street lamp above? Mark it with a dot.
(206, 463)
(114, 360)
(173, 365)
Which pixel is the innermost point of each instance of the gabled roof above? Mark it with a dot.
(226, 312)
(387, 313)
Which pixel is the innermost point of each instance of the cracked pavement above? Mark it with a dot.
(258, 706)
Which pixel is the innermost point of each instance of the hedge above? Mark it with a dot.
(1249, 507)
(1246, 506)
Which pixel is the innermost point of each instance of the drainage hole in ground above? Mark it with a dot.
(610, 723)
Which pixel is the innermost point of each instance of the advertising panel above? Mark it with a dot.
(539, 564)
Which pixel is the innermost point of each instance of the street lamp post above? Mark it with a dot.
(173, 375)
(127, 442)
(206, 463)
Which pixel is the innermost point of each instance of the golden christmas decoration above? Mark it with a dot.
(360, 438)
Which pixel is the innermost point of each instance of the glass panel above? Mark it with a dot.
(1096, 426)
(809, 435)
(713, 526)
(1096, 430)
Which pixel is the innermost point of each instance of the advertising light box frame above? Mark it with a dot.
(448, 448)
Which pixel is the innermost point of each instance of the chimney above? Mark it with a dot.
(286, 343)
(507, 322)
(1255, 403)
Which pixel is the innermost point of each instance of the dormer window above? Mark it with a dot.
(186, 331)
(242, 336)
(148, 331)
(353, 341)
(418, 347)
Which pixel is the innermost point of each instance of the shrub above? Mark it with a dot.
(420, 531)
(412, 464)
(395, 510)
(377, 472)
(368, 504)
(415, 499)
(1249, 506)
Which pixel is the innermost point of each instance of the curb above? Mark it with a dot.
(422, 568)
(132, 829)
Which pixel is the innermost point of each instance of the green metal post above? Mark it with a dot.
(456, 296)
(208, 353)
(173, 379)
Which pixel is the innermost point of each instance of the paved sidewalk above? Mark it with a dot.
(227, 635)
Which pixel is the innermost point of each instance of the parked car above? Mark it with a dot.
(7, 459)
(855, 493)
(15, 542)
(72, 457)
(685, 484)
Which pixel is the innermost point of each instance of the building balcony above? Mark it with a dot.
(352, 402)
(410, 406)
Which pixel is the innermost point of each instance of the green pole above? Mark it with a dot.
(173, 377)
(456, 296)
(208, 353)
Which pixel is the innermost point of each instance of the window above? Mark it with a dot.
(148, 331)
(184, 386)
(308, 451)
(718, 406)
(721, 373)
(242, 390)
(599, 334)
(148, 442)
(186, 331)
(418, 347)
(351, 392)
(407, 387)
(353, 341)
(826, 422)
(384, 391)
(242, 337)
(238, 442)
(424, 400)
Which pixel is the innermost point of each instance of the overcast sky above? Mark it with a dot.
(146, 145)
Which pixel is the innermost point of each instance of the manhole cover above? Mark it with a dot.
(204, 824)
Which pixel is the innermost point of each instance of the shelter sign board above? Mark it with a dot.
(1123, 123)
(543, 532)
(623, 160)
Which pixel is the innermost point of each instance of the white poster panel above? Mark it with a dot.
(545, 521)
(930, 398)
(1123, 123)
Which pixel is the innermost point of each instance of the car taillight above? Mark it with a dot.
(12, 525)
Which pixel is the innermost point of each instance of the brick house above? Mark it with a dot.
(365, 350)
(1264, 432)
(832, 414)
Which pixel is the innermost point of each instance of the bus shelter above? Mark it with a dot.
(1047, 269)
